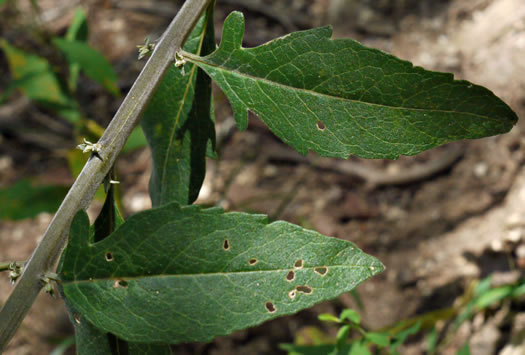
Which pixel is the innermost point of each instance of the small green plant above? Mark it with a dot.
(184, 273)
(361, 341)
(439, 326)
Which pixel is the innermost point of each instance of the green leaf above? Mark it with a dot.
(109, 218)
(63, 346)
(337, 97)
(359, 348)
(492, 296)
(43, 84)
(432, 340)
(91, 62)
(314, 349)
(483, 286)
(34, 77)
(465, 350)
(90, 340)
(78, 30)
(178, 124)
(182, 274)
(93, 341)
(379, 339)
(76, 161)
(342, 335)
(25, 200)
(519, 290)
(136, 140)
(327, 317)
(402, 336)
(16, 84)
(351, 315)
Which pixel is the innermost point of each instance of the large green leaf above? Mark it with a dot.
(180, 274)
(91, 62)
(179, 124)
(337, 97)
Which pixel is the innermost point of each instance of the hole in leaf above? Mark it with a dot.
(77, 318)
(290, 276)
(252, 261)
(226, 244)
(304, 289)
(120, 283)
(270, 307)
(299, 264)
(320, 125)
(292, 294)
(321, 270)
(109, 256)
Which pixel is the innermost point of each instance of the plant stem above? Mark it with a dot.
(81, 193)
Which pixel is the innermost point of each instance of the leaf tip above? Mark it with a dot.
(376, 267)
(233, 32)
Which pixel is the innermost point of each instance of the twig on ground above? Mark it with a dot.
(374, 177)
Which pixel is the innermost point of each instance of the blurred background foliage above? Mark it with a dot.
(49, 74)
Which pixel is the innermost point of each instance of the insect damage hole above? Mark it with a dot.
(252, 261)
(270, 307)
(120, 283)
(226, 244)
(320, 125)
(299, 264)
(321, 270)
(304, 289)
(290, 276)
(109, 256)
(292, 294)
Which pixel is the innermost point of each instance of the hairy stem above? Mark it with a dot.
(81, 193)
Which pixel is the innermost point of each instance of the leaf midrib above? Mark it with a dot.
(197, 59)
(212, 274)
